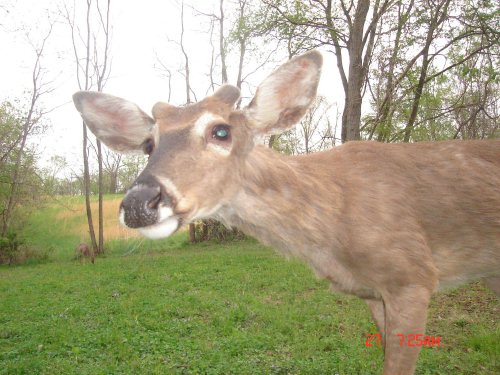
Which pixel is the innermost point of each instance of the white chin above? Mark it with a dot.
(160, 230)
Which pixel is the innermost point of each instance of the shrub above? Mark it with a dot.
(212, 230)
(9, 247)
(14, 250)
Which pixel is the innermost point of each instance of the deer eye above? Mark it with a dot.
(221, 132)
(148, 146)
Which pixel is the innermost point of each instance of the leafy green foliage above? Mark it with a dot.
(9, 247)
(29, 187)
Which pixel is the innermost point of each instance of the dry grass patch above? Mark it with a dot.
(76, 214)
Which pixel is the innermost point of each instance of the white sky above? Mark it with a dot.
(139, 34)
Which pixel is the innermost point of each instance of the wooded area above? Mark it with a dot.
(409, 71)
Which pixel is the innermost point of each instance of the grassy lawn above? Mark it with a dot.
(237, 308)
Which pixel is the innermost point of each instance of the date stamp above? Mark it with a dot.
(410, 340)
(373, 339)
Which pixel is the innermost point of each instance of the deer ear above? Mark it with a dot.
(228, 94)
(118, 123)
(283, 98)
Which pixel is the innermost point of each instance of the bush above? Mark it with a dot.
(9, 247)
(208, 230)
(14, 250)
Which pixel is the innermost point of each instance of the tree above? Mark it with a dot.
(50, 174)
(92, 70)
(30, 120)
(415, 79)
(19, 162)
(315, 131)
(132, 166)
(350, 28)
(112, 163)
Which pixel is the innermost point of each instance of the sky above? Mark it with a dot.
(141, 31)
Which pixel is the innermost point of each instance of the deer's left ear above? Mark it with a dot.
(118, 123)
(283, 98)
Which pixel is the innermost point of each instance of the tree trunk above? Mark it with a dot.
(441, 13)
(385, 110)
(100, 248)
(86, 179)
(221, 43)
(192, 233)
(416, 99)
(351, 117)
(15, 178)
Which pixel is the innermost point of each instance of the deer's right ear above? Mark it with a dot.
(118, 123)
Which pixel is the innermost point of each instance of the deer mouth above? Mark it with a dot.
(162, 229)
(149, 209)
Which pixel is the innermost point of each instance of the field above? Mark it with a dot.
(169, 307)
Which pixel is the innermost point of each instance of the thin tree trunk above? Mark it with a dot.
(352, 118)
(192, 233)
(437, 19)
(386, 107)
(418, 95)
(100, 248)
(221, 43)
(86, 180)
(101, 73)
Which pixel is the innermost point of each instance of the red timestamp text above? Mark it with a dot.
(419, 339)
(410, 340)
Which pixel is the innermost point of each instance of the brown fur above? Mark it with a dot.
(390, 223)
(83, 251)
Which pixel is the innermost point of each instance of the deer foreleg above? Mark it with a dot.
(378, 313)
(405, 317)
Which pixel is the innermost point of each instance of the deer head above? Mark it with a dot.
(196, 152)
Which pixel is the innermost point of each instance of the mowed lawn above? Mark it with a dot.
(169, 307)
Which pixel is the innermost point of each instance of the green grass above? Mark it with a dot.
(169, 307)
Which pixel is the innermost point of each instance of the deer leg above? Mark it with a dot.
(378, 314)
(405, 315)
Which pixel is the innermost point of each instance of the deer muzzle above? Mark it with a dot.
(148, 208)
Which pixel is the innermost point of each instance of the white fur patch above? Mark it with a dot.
(219, 149)
(170, 187)
(203, 121)
(161, 230)
(164, 213)
(121, 217)
(205, 213)
(167, 224)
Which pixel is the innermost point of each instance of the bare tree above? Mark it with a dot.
(92, 70)
(315, 131)
(347, 26)
(222, 44)
(33, 116)
(112, 163)
(192, 231)
(101, 70)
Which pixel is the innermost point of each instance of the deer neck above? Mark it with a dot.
(296, 205)
(283, 202)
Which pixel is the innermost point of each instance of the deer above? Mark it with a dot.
(389, 223)
(83, 251)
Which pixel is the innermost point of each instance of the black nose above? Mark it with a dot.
(140, 206)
